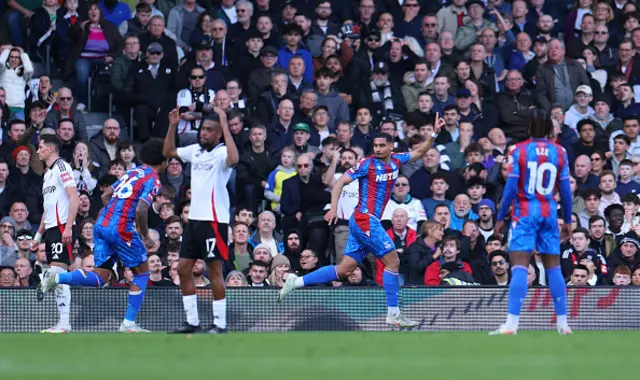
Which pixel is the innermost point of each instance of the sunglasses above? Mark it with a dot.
(217, 29)
(402, 184)
(496, 263)
(155, 53)
(601, 32)
(430, 25)
(374, 39)
(197, 77)
(300, 166)
(22, 238)
(65, 99)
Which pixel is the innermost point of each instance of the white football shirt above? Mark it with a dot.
(209, 176)
(56, 201)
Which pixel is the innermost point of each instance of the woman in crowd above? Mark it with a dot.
(84, 171)
(127, 153)
(85, 242)
(15, 72)
(280, 269)
(235, 279)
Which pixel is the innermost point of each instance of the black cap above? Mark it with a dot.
(463, 93)
(471, 2)
(254, 33)
(374, 33)
(541, 40)
(268, 50)
(204, 43)
(381, 68)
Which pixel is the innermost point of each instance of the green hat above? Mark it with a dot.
(301, 127)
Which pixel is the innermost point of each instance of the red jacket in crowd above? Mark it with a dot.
(409, 239)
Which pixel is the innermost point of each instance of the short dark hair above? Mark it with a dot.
(500, 253)
(143, 7)
(453, 238)
(597, 218)
(16, 122)
(387, 137)
(582, 230)
(259, 263)
(580, 267)
(592, 192)
(173, 246)
(324, 72)
(624, 138)
(475, 181)
(116, 161)
(437, 175)
(330, 140)
(107, 180)
(630, 198)
(174, 219)
(495, 237)
(630, 117)
(584, 122)
(151, 152)
(52, 140)
(473, 148)
(65, 120)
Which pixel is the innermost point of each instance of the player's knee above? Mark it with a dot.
(345, 271)
(392, 263)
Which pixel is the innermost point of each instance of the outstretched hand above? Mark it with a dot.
(331, 217)
(174, 117)
(439, 124)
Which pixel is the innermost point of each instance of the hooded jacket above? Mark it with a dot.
(456, 223)
(432, 274)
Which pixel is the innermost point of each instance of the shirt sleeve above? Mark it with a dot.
(360, 169)
(184, 99)
(514, 168)
(66, 176)
(186, 153)
(403, 157)
(151, 190)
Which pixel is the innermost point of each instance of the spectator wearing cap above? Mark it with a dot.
(561, 87)
(151, 91)
(468, 33)
(580, 109)
(625, 255)
(183, 20)
(452, 17)
(597, 266)
(382, 97)
(364, 59)
(292, 34)
(540, 47)
(256, 163)
(63, 109)
(214, 74)
(280, 268)
(310, 38)
(139, 23)
(248, 57)
(301, 134)
(98, 43)
(261, 78)
(8, 247)
(158, 33)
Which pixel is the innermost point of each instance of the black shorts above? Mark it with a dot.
(56, 250)
(205, 240)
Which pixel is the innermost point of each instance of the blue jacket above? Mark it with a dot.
(457, 223)
(254, 240)
(285, 54)
(120, 13)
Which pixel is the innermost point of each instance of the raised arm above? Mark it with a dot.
(422, 149)
(232, 150)
(169, 149)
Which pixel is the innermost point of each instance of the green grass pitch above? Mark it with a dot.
(320, 356)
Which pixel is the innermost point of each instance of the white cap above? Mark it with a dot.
(585, 89)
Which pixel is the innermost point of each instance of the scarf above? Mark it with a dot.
(386, 95)
(195, 124)
(239, 105)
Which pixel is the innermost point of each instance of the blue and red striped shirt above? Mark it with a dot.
(139, 184)
(376, 181)
(539, 166)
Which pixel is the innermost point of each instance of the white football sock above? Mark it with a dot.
(220, 313)
(191, 309)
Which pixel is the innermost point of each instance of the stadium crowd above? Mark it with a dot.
(306, 85)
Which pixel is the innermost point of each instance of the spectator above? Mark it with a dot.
(614, 214)
(280, 268)
(258, 271)
(293, 248)
(452, 17)
(308, 262)
(240, 251)
(580, 109)
(256, 163)
(158, 33)
(266, 234)
(236, 279)
(104, 145)
(138, 24)
(467, 34)
(579, 276)
(635, 278)
(330, 98)
(24, 273)
(84, 171)
(622, 276)
(192, 102)
(130, 58)
(23, 240)
(15, 72)
(515, 104)
(592, 206)
(625, 184)
(450, 254)
(571, 76)
(403, 236)
(63, 110)
(8, 276)
(182, 21)
(582, 172)
(461, 212)
(284, 171)
(97, 42)
(8, 248)
(401, 199)
(198, 275)
(19, 213)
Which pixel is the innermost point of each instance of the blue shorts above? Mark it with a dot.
(110, 246)
(535, 232)
(366, 234)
